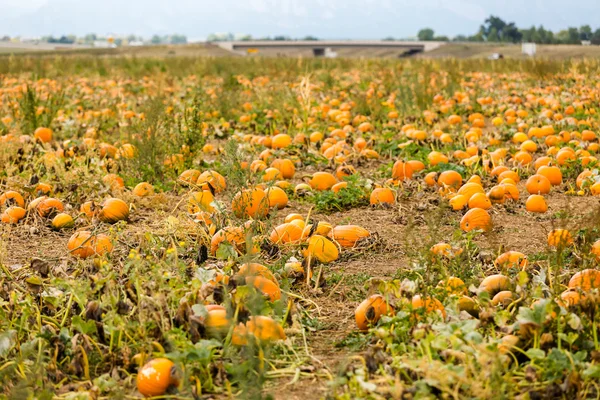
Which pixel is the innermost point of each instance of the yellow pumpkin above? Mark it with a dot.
(322, 249)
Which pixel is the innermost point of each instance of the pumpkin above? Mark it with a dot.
(83, 244)
(552, 173)
(458, 202)
(538, 184)
(261, 328)
(349, 235)
(271, 174)
(302, 189)
(468, 305)
(560, 238)
(89, 209)
(13, 214)
(156, 377)
(217, 322)
(267, 287)
(431, 179)
(497, 194)
(277, 198)
(285, 166)
(258, 166)
(450, 178)
(436, 158)
(12, 198)
(143, 189)
(585, 280)
(285, 234)
(231, 234)
(454, 285)
(322, 181)
(322, 249)
(503, 298)
(201, 201)
(508, 343)
(494, 284)
(113, 181)
(216, 181)
(42, 134)
(49, 207)
(569, 298)
(292, 217)
(480, 200)
(511, 259)
(255, 269)
(469, 189)
(596, 249)
(113, 210)
(401, 171)
(251, 203)
(382, 196)
(476, 218)
(370, 311)
(510, 175)
(343, 171)
(536, 203)
(429, 305)
(281, 141)
(62, 221)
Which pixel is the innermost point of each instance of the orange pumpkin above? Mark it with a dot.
(42, 134)
(12, 198)
(450, 178)
(156, 377)
(113, 210)
(559, 238)
(143, 189)
(429, 305)
(401, 171)
(322, 181)
(494, 284)
(49, 207)
(216, 181)
(476, 218)
(251, 203)
(511, 259)
(285, 166)
(12, 215)
(585, 280)
(349, 235)
(480, 200)
(536, 203)
(538, 184)
(382, 196)
(286, 233)
(552, 173)
(370, 311)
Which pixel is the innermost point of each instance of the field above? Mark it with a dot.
(206, 228)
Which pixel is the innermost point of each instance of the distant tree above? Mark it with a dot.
(132, 38)
(246, 38)
(574, 36)
(596, 37)
(281, 37)
(310, 37)
(441, 39)
(5, 38)
(178, 39)
(388, 39)
(156, 39)
(460, 38)
(585, 32)
(426, 34)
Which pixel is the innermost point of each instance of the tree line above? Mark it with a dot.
(495, 29)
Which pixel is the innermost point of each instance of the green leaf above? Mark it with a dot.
(226, 251)
(536, 354)
(85, 327)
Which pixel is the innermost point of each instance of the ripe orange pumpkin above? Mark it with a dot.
(255, 269)
(480, 200)
(143, 189)
(264, 285)
(349, 235)
(156, 377)
(286, 233)
(12, 198)
(536, 203)
(251, 203)
(401, 171)
(201, 201)
(370, 311)
(538, 184)
(494, 284)
(277, 198)
(230, 234)
(13, 214)
(382, 196)
(50, 206)
(285, 166)
(585, 280)
(322, 181)
(259, 327)
(322, 249)
(62, 221)
(215, 179)
(113, 210)
(42, 134)
(476, 218)
(511, 259)
(83, 244)
(553, 174)
(429, 304)
(559, 238)
(450, 178)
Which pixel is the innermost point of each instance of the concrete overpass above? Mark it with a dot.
(330, 48)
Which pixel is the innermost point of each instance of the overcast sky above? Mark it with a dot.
(334, 19)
